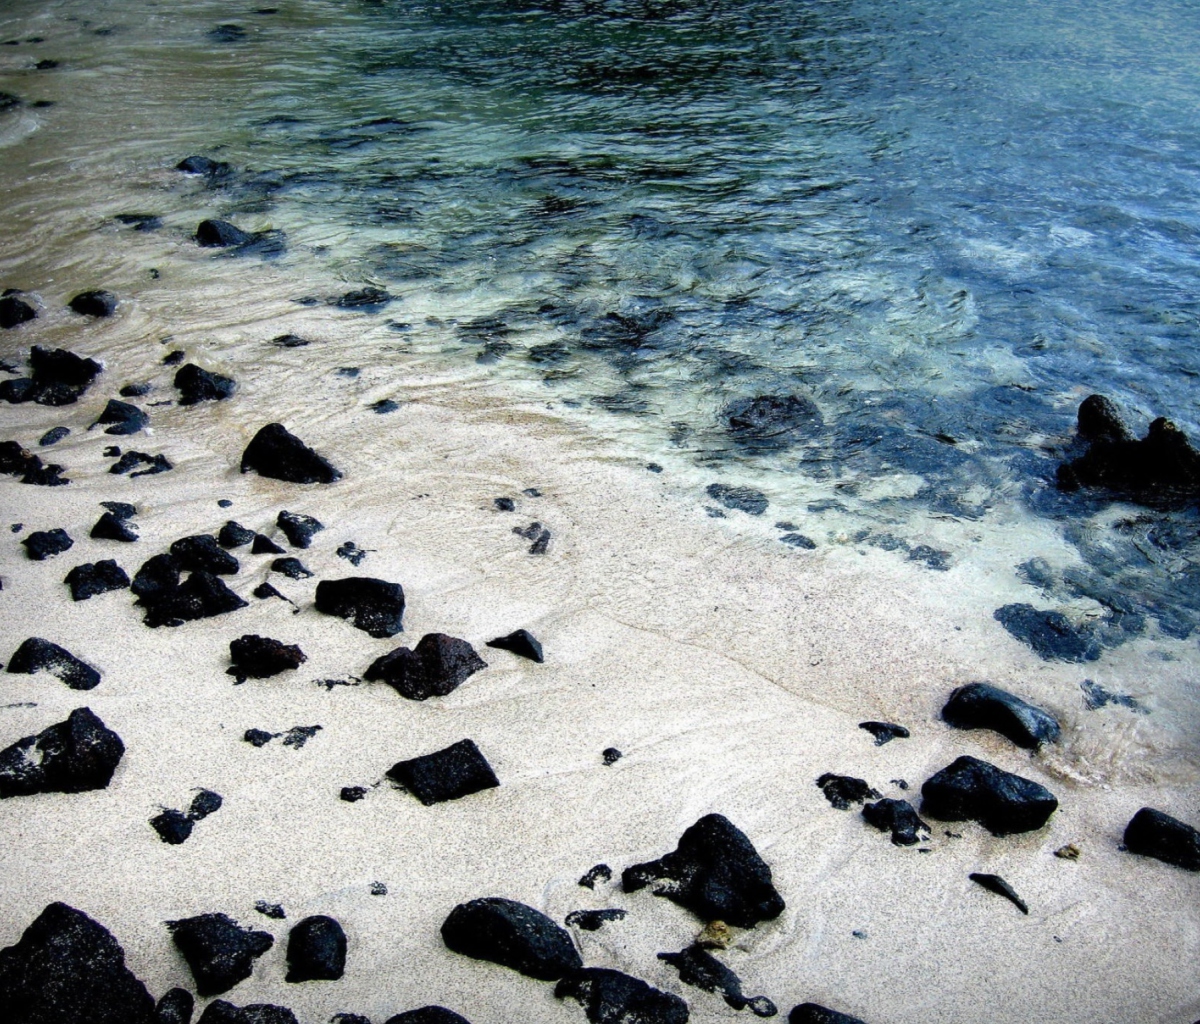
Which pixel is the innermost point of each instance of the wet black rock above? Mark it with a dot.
(1050, 633)
(437, 666)
(199, 385)
(131, 460)
(204, 165)
(221, 1012)
(772, 421)
(447, 774)
(1003, 803)
(140, 221)
(42, 544)
(513, 935)
(505, 504)
(220, 234)
(698, 967)
(316, 950)
(202, 595)
(844, 790)
(290, 341)
(122, 418)
(263, 545)
(157, 574)
(521, 642)
(715, 872)
(608, 997)
(234, 535)
(298, 528)
(292, 568)
(72, 756)
(92, 578)
(885, 732)
(57, 377)
(53, 436)
(175, 1007)
(610, 756)
(352, 794)
(599, 873)
(369, 300)
(982, 706)
(996, 884)
(202, 553)
(592, 920)
(68, 969)
(898, 817)
(94, 303)
(260, 657)
(218, 950)
(14, 312)
(425, 1015)
(38, 655)
(813, 1013)
(745, 499)
(273, 452)
(1155, 834)
(112, 527)
(372, 605)
(173, 827)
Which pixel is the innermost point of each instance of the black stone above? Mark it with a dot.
(599, 873)
(38, 655)
(1003, 803)
(95, 303)
(14, 312)
(505, 504)
(202, 553)
(513, 935)
(202, 595)
(372, 605)
(140, 221)
(131, 460)
(198, 385)
(121, 509)
(591, 920)
(448, 774)
(110, 527)
(369, 300)
(352, 794)
(521, 642)
(290, 341)
(316, 950)
(263, 545)
(41, 544)
(426, 1015)
(352, 553)
(156, 575)
(798, 540)
(610, 997)
(220, 234)
(996, 884)
(221, 1012)
(1152, 833)
(1100, 419)
(173, 358)
(265, 590)
(260, 657)
(772, 421)
(298, 528)
(698, 967)
(812, 1013)
(982, 706)
(610, 756)
(122, 418)
(18, 390)
(44, 475)
(227, 34)
(219, 952)
(68, 969)
(203, 165)
(1050, 633)
(273, 452)
(272, 910)
(292, 568)
(234, 535)
(541, 543)
(92, 578)
(384, 406)
(175, 1007)
(53, 436)
(173, 827)
(745, 499)
(437, 666)
(885, 732)
(715, 872)
(844, 790)
(13, 458)
(58, 377)
(899, 817)
(259, 737)
(204, 803)
(72, 756)
(135, 391)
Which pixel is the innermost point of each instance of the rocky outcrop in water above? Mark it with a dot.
(513, 935)
(609, 996)
(95, 303)
(1156, 834)
(447, 774)
(1051, 634)
(275, 453)
(15, 311)
(219, 952)
(38, 655)
(982, 706)
(437, 666)
(969, 789)
(73, 756)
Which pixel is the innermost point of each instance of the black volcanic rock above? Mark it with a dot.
(513, 935)
(293, 568)
(436, 667)
(201, 596)
(72, 756)
(198, 385)
(298, 528)
(14, 312)
(316, 950)
(1003, 803)
(598, 873)
(68, 969)
(92, 578)
(204, 165)
(522, 643)
(273, 452)
(260, 657)
(592, 920)
(218, 950)
(38, 655)
(53, 436)
(139, 221)
(122, 418)
(447, 774)
(219, 1011)
(220, 234)
(94, 303)
(57, 377)
(843, 790)
(131, 460)
(158, 574)
(898, 817)
(772, 421)
(175, 1007)
(41, 544)
(234, 535)
(202, 553)
(982, 706)
(372, 605)
(812, 1013)
(263, 545)
(173, 827)
(744, 499)
(1155, 834)
(698, 967)
(1051, 634)
(424, 1015)
(610, 997)
(113, 527)
(368, 299)
(996, 884)
(885, 732)
(715, 872)
(1099, 419)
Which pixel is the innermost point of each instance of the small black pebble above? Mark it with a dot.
(352, 794)
(224, 503)
(505, 504)
(599, 873)
(654, 467)
(611, 755)
(378, 889)
(532, 492)
(271, 910)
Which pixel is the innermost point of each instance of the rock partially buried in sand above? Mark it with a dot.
(38, 655)
(513, 935)
(113, 527)
(202, 553)
(448, 774)
(201, 596)
(41, 544)
(812, 1013)
(372, 605)
(92, 578)
(1003, 803)
(298, 527)
(14, 312)
(843, 790)
(593, 920)
(68, 969)
(1155, 834)
(221, 1012)
(996, 884)
(156, 575)
(610, 996)
(698, 967)
(175, 1007)
(1050, 633)
(715, 872)
(885, 732)
(426, 1015)
(316, 950)
(260, 657)
(437, 666)
(219, 952)
(522, 643)
(263, 545)
(122, 418)
(94, 303)
(74, 756)
(900, 818)
(198, 385)
(982, 706)
(275, 453)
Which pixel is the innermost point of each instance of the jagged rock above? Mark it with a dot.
(447, 774)
(426, 1015)
(44, 476)
(156, 575)
(112, 527)
(772, 421)
(260, 657)
(173, 358)
(72, 756)
(263, 545)
(201, 596)
(204, 803)
(41, 544)
(14, 312)
(122, 418)
(298, 528)
(982, 706)
(221, 1012)
(274, 911)
(522, 643)
(885, 732)
(1050, 633)
(53, 436)
(121, 509)
(92, 578)
(437, 666)
(599, 873)
(316, 950)
(219, 952)
(715, 872)
(610, 997)
(844, 790)
(289, 341)
(744, 499)
(38, 655)
(175, 1007)
(202, 553)
(173, 827)
(372, 605)
(68, 969)
(698, 967)
(273, 452)
(513, 935)
(57, 377)
(220, 234)
(505, 504)
(1155, 834)
(352, 794)
(591, 920)
(293, 568)
(197, 385)
(234, 535)
(1003, 803)
(94, 303)
(204, 165)
(131, 460)
(259, 737)
(899, 817)
(811, 1013)
(996, 884)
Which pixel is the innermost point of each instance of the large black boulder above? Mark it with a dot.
(610, 997)
(447, 774)
(202, 553)
(72, 756)
(275, 453)
(68, 969)
(698, 967)
(436, 667)
(201, 596)
(316, 950)
(260, 657)
(38, 655)
(218, 950)
(1050, 633)
(812, 1013)
(1152, 833)
(122, 418)
(983, 706)
(513, 935)
(15, 311)
(772, 421)
(427, 1015)
(372, 605)
(156, 575)
(1003, 803)
(92, 578)
(198, 385)
(41, 544)
(298, 527)
(715, 872)
(94, 303)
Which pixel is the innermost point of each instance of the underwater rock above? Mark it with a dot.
(95, 303)
(372, 605)
(1155, 834)
(202, 553)
(112, 527)
(42, 544)
(122, 418)
(234, 535)
(520, 642)
(982, 706)
(447, 774)
(175, 1007)
(1050, 633)
(996, 884)
(220, 234)
(14, 312)
(1003, 803)
(437, 666)
(744, 499)
(591, 920)
(513, 935)
(38, 655)
(714, 872)
(73, 756)
(369, 300)
(698, 967)
(772, 421)
(885, 732)
(260, 657)
(202, 595)
(219, 952)
(812, 1013)
(92, 578)
(610, 996)
(316, 950)
(900, 818)
(204, 165)
(298, 528)
(140, 221)
(273, 452)
(843, 790)
(424, 1015)
(197, 385)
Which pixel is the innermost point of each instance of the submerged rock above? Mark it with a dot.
(1155, 834)
(273, 452)
(298, 528)
(521, 642)
(197, 385)
(202, 553)
(368, 299)
(982, 706)
(812, 1013)
(38, 655)
(73, 756)
(219, 952)
(843, 790)
(260, 657)
(996, 884)
(744, 499)
(220, 234)
(885, 732)
(438, 666)
(1003, 803)
(900, 818)
(610, 997)
(316, 950)
(372, 605)
(1050, 633)
(772, 421)
(94, 303)
(92, 578)
(513, 935)
(42, 544)
(14, 312)
(448, 774)
(204, 165)
(698, 967)
(201, 596)
(122, 418)
(139, 221)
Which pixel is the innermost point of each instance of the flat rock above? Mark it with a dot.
(122, 418)
(175, 1007)
(38, 655)
(94, 303)
(113, 527)
(316, 950)
(447, 774)
(715, 872)
(772, 421)
(53, 436)
(68, 969)
(1156, 834)
(131, 460)
(14, 312)
(260, 657)
(372, 605)
(273, 452)
(234, 535)
(42, 544)
(298, 528)
(202, 595)
(92, 578)
(73, 756)
(199, 385)
(522, 643)
(698, 967)
(898, 817)
(428, 1015)
(885, 732)
(982, 706)
(744, 499)
(610, 997)
(812, 1013)
(1051, 634)
(1003, 803)
(202, 553)
(843, 790)
(592, 920)
(996, 884)
(219, 952)
(513, 935)
(437, 666)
